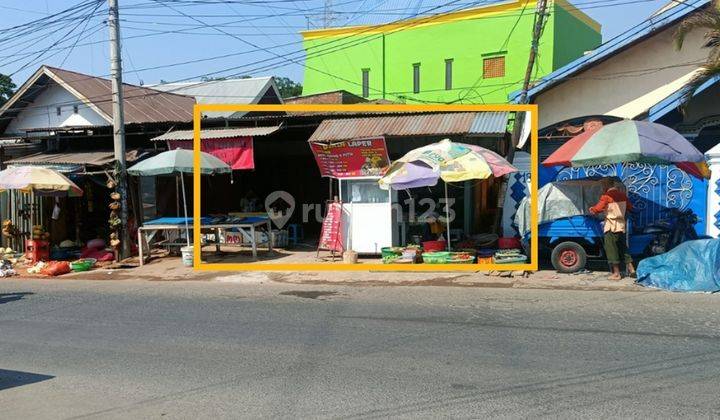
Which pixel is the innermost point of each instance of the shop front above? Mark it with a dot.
(357, 153)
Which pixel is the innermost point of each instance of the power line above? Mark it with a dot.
(246, 65)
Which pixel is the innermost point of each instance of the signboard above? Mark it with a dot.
(236, 151)
(234, 238)
(330, 235)
(352, 158)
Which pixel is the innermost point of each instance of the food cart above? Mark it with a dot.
(369, 222)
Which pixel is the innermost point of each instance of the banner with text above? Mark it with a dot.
(352, 158)
(331, 233)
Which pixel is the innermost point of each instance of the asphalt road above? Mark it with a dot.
(131, 349)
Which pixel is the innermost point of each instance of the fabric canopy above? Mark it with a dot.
(562, 199)
(237, 151)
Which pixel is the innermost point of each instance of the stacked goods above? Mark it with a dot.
(39, 234)
(391, 254)
(9, 230)
(114, 220)
(440, 257)
(461, 258)
(8, 254)
(509, 256)
(399, 255)
(445, 257)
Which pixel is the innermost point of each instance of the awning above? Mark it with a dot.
(72, 161)
(492, 124)
(218, 133)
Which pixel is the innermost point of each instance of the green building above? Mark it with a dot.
(476, 55)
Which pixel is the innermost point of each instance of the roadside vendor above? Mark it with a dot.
(614, 203)
(433, 230)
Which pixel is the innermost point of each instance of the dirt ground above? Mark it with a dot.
(170, 268)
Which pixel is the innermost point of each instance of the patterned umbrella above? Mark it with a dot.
(39, 180)
(444, 160)
(630, 141)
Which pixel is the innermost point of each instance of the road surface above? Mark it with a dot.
(131, 349)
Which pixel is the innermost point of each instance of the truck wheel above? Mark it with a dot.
(568, 257)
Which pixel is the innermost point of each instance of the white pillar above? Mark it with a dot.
(713, 193)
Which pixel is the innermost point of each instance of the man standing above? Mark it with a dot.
(615, 204)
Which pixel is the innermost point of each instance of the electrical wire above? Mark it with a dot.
(206, 24)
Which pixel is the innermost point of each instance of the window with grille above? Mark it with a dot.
(493, 67)
(365, 83)
(416, 78)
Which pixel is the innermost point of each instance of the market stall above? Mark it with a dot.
(177, 163)
(451, 162)
(36, 181)
(248, 226)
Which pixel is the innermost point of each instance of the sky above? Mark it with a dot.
(182, 40)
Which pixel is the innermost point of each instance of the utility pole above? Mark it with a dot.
(540, 14)
(119, 125)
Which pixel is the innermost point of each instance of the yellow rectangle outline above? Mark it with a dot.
(197, 120)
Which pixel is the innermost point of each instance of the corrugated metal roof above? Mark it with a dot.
(490, 123)
(94, 158)
(452, 123)
(219, 133)
(231, 91)
(637, 33)
(141, 104)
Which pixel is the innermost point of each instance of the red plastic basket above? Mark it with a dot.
(509, 243)
(434, 246)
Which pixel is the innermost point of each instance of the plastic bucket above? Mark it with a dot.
(187, 256)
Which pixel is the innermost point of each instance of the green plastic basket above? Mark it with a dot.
(390, 251)
(436, 257)
(82, 265)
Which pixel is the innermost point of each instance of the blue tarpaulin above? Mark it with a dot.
(692, 266)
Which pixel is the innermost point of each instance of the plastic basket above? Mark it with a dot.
(435, 257)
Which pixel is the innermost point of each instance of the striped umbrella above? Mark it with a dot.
(630, 141)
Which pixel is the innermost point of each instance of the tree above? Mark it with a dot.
(708, 20)
(7, 87)
(287, 87)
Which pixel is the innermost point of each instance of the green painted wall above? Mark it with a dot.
(334, 63)
(572, 39)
